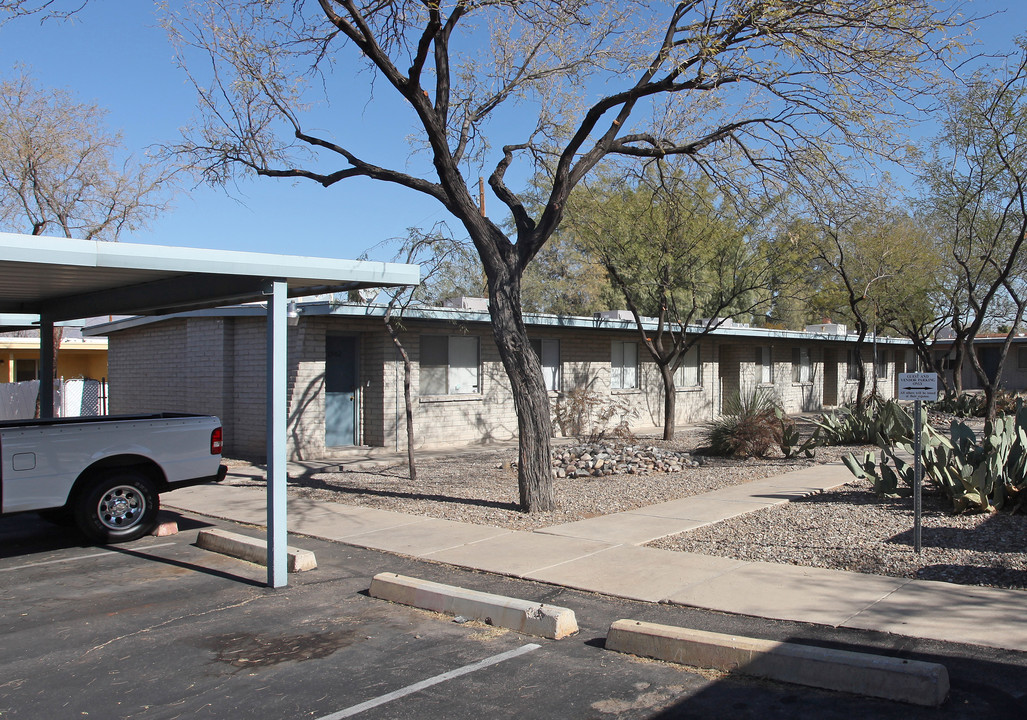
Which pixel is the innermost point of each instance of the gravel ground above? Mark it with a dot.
(849, 529)
(481, 487)
(852, 529)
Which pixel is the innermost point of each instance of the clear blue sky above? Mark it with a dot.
(114, 53)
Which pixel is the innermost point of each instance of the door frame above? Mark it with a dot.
(358, 395)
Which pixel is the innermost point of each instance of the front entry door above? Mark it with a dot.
(341, 391)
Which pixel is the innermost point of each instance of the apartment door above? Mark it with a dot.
(342, 391)
(830, 377)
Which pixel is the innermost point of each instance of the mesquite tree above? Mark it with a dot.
(768, 88)
(976, 191)
(679, 254)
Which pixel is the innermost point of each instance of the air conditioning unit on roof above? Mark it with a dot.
(615, 315)
(477, 304)
(827, 329)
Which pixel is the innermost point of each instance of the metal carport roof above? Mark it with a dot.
(62, 279)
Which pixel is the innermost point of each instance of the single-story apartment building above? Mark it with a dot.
(1012, 374)
(346, 376)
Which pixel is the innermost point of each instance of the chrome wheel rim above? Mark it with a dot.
(121, 507)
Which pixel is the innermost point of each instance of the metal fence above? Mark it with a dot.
(76, 397)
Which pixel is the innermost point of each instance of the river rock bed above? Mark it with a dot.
(599, 460)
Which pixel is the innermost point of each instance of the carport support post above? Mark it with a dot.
(46, 368)
(277, 540)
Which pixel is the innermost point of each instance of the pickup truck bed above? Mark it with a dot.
(105, 473)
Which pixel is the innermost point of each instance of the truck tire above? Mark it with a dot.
(118, 508)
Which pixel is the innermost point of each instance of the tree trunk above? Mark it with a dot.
(531, 401)
(670, 401)
(407, 399)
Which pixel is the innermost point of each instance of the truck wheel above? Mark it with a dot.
(118, 508)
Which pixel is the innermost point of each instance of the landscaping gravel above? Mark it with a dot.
(852, 529)
(481, 486)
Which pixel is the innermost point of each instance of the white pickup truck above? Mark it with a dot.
(105, 473)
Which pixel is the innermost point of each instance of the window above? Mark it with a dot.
(689, 372)
(764, 366)
(548, 353)
(449, 365)
(853, 370)
(623, 365)
(802, 367)
(881, 365)
(25, 370)
(1021, 358)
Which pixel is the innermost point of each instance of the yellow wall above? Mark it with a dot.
(72, 362)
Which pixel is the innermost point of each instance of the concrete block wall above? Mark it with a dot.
(216, 365)
(483, 417)
(306, 406)
(147, 367)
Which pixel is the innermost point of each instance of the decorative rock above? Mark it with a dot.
(600, 460)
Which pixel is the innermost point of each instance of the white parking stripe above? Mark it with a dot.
(79, 557)
(409, 689)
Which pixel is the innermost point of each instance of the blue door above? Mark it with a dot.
(341, 398)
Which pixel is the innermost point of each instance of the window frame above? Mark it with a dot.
(24, 363)
(453, 374)
(619, 374)
(802, 366)
(879, 356)
(552, 374)
(764, 363)
(1021, 358)
(851, 373)
(680, 380)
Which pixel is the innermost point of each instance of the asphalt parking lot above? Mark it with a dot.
(160, 628)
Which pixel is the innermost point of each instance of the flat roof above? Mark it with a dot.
(456, 315)
(68, 279)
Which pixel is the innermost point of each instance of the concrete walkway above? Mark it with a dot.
(604, 555)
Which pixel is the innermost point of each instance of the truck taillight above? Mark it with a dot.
(215, 442)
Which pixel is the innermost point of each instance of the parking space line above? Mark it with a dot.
(410, 689)
(78, 557)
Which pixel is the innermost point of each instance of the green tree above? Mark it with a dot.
(677, 252)
(871, 249)
(773, 87)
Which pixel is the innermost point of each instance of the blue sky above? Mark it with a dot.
(114, 53)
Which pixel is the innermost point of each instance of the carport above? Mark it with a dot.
(58, 279)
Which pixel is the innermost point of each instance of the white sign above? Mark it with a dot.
(918, 386)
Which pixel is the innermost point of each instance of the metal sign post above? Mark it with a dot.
(918, 387)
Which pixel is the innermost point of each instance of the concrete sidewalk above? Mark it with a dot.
(604, 555)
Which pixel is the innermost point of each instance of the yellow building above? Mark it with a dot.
(77, 358)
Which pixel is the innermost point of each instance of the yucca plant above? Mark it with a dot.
(748, 427)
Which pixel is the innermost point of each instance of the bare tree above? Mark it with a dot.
(976, 180)
(43, 9)
(771, 86)
(60, 171)
(434, 251)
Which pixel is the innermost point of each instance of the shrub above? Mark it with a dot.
(749, 426)
(587, 415)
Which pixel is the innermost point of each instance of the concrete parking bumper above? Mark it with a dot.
(530, 618)
(253, 550)
(911, 681)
